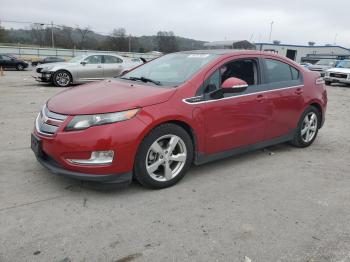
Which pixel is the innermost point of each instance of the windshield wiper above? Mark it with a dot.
(143, 79)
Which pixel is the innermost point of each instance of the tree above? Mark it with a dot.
(167, 42)
(37, 33)
(83, 33)
(311, 43)
(117, 41)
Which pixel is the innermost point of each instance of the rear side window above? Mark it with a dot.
(277, 71)
(108, 59)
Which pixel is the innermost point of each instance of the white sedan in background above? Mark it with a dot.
(85, 68)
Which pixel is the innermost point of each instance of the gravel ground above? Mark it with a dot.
(277, 204)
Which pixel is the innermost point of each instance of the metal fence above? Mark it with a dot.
(30, 53)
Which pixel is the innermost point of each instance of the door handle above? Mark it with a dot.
(99, 66)
(299, 91)
(260, 98)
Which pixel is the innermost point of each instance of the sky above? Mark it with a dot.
(294, 22)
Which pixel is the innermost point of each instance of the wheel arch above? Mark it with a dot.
(179, 122)
(65, 70)
(319, 109)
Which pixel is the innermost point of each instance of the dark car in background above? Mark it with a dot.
(46, 60)
(9, 61)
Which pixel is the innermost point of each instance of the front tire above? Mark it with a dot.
(307, 129)
(328, 83)
(61, 78)
(19, 67)
(163, 157)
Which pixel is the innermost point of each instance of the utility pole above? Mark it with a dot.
(335, 39)
(52, 37)
(129, 43)
(271, 25)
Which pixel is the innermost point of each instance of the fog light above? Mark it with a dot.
(96, 158)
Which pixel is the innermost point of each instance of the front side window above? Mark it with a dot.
(244, 69)
(277, 71)
(173, 69)
(108, 59)
(94, 59)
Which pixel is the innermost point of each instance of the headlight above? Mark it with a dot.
(86, 121)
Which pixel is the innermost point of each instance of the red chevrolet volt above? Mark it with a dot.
(153, 122)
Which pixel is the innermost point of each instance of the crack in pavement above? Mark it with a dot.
(30, 203)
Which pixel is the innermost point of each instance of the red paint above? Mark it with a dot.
(218, 125)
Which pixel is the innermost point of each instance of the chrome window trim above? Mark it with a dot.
(231, 97)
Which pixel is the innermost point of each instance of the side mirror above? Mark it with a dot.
(83, 63)
(233, 85)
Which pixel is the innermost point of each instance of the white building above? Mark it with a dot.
(300, 53)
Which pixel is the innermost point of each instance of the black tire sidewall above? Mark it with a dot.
(140, 172)
(55, 75)
(298, 141)
(20, 67)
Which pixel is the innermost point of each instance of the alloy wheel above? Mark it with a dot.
(309, 127)
(62, 79)
(166, 158)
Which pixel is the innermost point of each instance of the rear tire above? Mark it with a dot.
(163, 157)
(307, 129)
(61, 78)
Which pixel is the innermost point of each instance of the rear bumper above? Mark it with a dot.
(54, 167)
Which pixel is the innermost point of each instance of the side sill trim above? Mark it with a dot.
(205, 158)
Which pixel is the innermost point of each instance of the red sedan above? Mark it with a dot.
(189, 107)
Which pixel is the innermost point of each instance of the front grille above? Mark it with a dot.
(338, 75)
(47, 122)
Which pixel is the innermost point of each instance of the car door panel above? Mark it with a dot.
(235, 122)
(92, 70)
(287, 102)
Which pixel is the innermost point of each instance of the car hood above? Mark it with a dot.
(57, 64)
(107, 96)
(339, 70)
(318, 67)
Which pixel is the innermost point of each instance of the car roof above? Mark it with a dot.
(222, 51)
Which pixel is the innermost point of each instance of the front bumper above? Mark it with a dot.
(57, 169)
(122, 137)
(337, 80)
(45, 77)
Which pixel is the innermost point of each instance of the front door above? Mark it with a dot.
(91, 68)
(238, 119)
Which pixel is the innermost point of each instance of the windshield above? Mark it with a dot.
(77, 59)
(344, 64)
(172, 69)
(326, 62)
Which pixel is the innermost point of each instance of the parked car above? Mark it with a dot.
(9, 61)
(189, 107)
(46, 60)
(339, 74)
(84, 68)
(323, 65)
(306, 65)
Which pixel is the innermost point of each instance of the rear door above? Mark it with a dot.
(91, 68)
(239, 119)
(8, 61)
(285, 88)
(113, 66)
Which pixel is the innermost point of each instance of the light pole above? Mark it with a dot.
(52, 37)
(271, 25)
